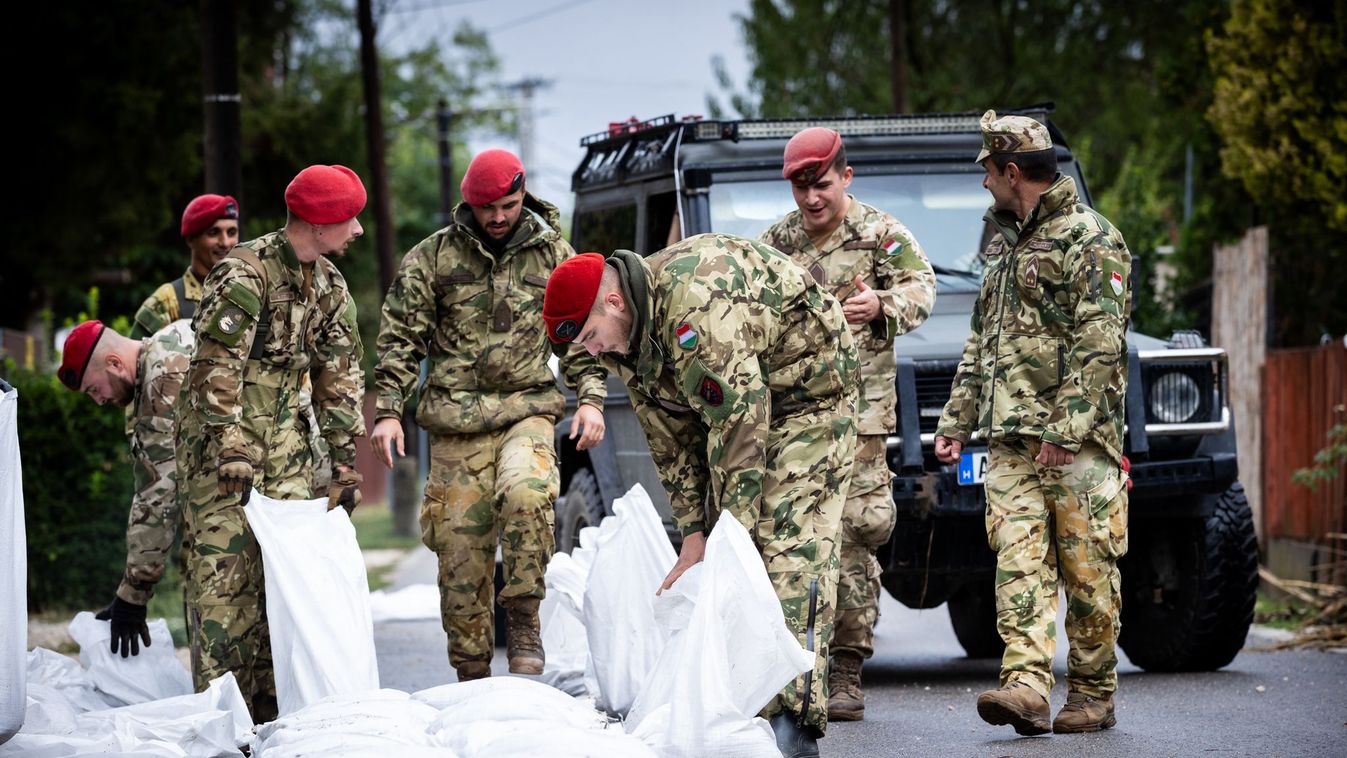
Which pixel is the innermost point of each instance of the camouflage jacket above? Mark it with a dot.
(477, 316)
(162, 308)
(875, 246)
(311, 323)
(1047, 356)
(152, 528)
(728, 335)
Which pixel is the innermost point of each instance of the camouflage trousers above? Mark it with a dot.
(225, 590)
(1066, 524)
(867, 521)
(483, 486)
(808, 470)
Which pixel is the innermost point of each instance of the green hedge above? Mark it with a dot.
(77, 486)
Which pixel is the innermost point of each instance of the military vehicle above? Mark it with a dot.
(1190, 575)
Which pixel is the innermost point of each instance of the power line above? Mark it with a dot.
(539, 15)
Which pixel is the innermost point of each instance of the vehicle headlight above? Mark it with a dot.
(1174, 397)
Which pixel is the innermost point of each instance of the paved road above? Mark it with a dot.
(921, 692)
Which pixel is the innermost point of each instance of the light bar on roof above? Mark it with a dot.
(860, 127)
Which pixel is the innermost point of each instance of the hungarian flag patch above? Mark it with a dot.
(1115, 281)
(892, 247)
(687, 338)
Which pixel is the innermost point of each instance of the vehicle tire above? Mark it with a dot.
(1189, 588)
(581, 507)
(972, 613)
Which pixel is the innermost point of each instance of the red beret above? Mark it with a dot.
(325, 195)
(206, 210)
(811, 150)
(78, 349)
(570, 294)
(493, 174)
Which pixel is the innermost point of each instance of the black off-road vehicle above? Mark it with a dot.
(1191, 572)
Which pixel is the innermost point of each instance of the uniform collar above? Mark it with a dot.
(537, 219)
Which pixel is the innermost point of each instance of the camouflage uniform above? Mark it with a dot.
(234, 404)
(152, 527)
(1047, 362)
(489, 401)
(744, 377)
(875, 246)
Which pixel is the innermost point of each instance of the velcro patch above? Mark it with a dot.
(717, 398)
(1040, 244)
(860, 245)
(994, 248)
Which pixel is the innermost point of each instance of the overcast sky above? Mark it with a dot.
(607, 60)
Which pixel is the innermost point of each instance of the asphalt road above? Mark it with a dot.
(920, 692)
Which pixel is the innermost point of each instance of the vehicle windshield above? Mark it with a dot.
(943, 211)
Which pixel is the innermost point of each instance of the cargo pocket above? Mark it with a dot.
(1107, 503)
(432, 514)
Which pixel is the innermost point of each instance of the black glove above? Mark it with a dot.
(128, 623)
(344, 490)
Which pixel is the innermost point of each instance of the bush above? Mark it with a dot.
(77, 489)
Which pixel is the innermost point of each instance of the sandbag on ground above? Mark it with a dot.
(153, 675)
(385, 723)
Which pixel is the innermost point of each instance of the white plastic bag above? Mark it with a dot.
(633, 557)
(563, 624)
(210, 723)
(322, 638)
(64, 674)
(729, 653)
(385, 723)
(154, 674)
(13, 573)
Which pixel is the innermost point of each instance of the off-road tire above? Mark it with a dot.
(972, 613)
(1189, 588)
(581, 507)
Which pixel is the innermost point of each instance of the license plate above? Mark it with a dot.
(973, 468)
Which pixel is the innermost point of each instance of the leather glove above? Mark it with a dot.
(344, 490)
(236, 477)
(128, 624)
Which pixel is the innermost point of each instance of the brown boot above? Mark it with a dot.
(1083, 713)
(846, 702)
(1016, 704)
(470, 670)
(523, 644)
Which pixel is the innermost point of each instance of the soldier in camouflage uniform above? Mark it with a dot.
(1042, 379)
(273, 311)
(875, 267)
(469, 298)
(744, 376)
(210, 227)
(145, 376)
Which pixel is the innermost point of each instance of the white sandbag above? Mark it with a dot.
(322, 637)
(214, 722)
(49, 711)
(378, 722)
(416, 602)
(63, 673)
(154, 674)
(13, 573)
(561, 616)
(633, 555)
(563, 742)
(61, 745)
(528, 693)
(729, 653)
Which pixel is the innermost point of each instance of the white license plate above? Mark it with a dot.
(973, 468)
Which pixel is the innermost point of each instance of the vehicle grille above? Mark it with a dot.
(933, 380)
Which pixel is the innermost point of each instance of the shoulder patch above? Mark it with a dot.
(860, 245)
(716, 398)
(711, 391)
(1039, 243)
(687, 337)
(994, 248)
(892, 247)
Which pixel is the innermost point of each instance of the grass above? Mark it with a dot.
(1281, 612)
(374, 529)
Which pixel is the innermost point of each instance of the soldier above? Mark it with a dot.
(145, 376)
(469, 297)
(271, 312)
(210, 227)
(1042, 380)
(744, 376)
(875, 267)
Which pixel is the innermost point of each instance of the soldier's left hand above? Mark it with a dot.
(344, 489)
(1054, 455)
(862, 307)
(591, 419)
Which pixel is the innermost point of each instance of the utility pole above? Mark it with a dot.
(526, 88)
(221, 102)
(444, 117)
(898, 54)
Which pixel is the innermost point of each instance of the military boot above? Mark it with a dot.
(1016, 704)
(470, 670)
(793, 740)
(1083, 713)
(523, 644)
(846, 702)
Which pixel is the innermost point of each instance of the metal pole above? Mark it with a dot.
(444, 117)
(221, 102)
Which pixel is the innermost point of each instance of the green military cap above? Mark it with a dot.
(1011, 134)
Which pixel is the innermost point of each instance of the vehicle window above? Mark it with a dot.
(604, 230)
(943, 211)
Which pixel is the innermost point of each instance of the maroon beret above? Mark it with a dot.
(78, 349)
(811, 151)
(493, 174)
(325, 195)
(570, 294)
(205, 210)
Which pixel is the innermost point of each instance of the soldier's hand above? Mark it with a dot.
(235, 476)
(1054, 455)
(128, 626)
(692, 552)
(862, 307)
(387, 432)
(344, 489)
(947, 449)
(591, 419)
